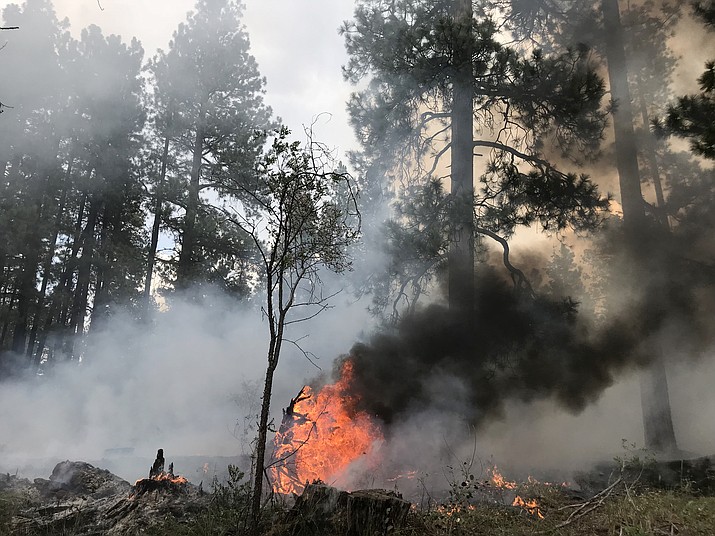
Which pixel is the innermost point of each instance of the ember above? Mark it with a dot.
(320, 437)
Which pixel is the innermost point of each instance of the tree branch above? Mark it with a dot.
(517, 275)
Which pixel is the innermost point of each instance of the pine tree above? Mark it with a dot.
(210, 86)
(442, 84)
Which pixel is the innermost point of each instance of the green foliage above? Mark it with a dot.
(523, 107)
(305, 205)
(208, 101)
(693, 116)
(416, 243)
(705, 9)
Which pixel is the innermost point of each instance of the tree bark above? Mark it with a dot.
(461, 253)
(657, 419)
(273, 356)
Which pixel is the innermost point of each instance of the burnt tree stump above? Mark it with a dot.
(373, 512)
(158, 467)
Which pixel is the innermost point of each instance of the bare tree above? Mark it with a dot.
(301, 212)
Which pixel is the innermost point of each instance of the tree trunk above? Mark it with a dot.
(186, 270)
(61, 295)
(47, 265)
(652, 158)
(103, 267)
(263, 435)
(657, 420)
(461, 253)
(158, 201)
(81, 296)
(6, 324)
(28, 281)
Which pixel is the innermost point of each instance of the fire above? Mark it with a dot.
(531, 506)
(165, 477)
(170, 478)
(320, 437)
(499, 481)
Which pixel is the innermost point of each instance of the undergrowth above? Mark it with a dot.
(624, 512)
(624, 508)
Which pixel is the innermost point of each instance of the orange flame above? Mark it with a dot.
(320, 437)
(165, 476)
(499, 481)
(171, 478)
(531, 506)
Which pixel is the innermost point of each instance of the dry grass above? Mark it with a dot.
(624, 512)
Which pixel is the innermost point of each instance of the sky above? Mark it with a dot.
(295, 42)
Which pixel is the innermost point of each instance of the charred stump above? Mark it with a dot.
(158, 467)
(375, 511)
(159, 480)
(162, 485)
(360, 513)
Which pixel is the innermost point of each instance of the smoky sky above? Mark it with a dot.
(295, 43)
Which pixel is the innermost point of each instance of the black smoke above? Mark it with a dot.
(526, 346)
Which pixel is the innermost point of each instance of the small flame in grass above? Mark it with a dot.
(531, 506)
(499, 481)
(455, 509)
(320, 436)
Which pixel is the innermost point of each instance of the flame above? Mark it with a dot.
(171, 478)
(165, 476)
(499, 481)
(531, 506)
(320, 437)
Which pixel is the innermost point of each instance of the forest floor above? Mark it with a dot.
(625, 507)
